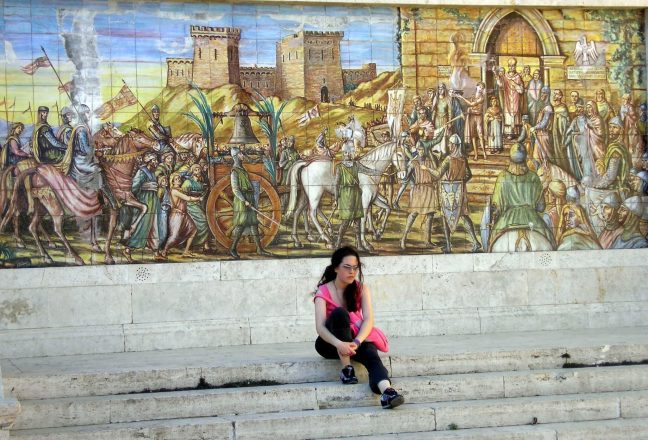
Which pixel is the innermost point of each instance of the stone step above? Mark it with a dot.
(45, 413)
(135, 372)
(342, 422)
(617, 429)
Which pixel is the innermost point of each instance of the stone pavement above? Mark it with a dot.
(587, 384)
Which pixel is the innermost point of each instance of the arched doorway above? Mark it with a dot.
(514, 38)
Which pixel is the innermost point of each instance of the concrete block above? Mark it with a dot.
(623, 284)
(533, 318)
(47, 413)
(618, 314)
(61, 341)
(602, 258)
(335, 422)
(173, 272)
(429, 322)
(208, 403)
(491, 262)
(64, 307)
(390, 265)
(212, 300)
(563, 286)
(397, 292)
(474, 289)
(173, 335)
(453, 263)
(505, 433)
(624, 429)
(634, 404)
(285, 329)
(521, 411)
(205, 428)
(273, 270)
(577, 380)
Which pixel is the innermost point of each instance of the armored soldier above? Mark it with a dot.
(47, 148)
(65, 131)
(453, 173)
(245, 216)
(161, 133)
(287, 159)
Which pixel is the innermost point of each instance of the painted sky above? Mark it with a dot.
(152, 31)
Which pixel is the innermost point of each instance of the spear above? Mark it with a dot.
(59, 80)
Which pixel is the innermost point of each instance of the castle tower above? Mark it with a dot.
(179, 71)
(306, 61)
(216, 56)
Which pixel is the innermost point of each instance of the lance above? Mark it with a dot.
(59, 80)
(6, 104)
(266, 217)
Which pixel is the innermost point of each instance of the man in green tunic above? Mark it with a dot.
(348, 195)
(617, 161)
(245, 216)
(518, 199)
(194, 186)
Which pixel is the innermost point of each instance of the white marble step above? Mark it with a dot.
(344, 422)
(618, 429)
(74, 411)
(118, 373)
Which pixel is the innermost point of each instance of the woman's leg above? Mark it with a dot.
(367, 355)
(339, 324)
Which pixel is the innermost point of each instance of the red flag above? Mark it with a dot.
(32, 67)
(65, 87)
(122, 99)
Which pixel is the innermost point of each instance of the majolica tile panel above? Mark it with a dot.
(170, 131)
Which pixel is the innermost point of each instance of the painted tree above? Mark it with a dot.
(270, 123)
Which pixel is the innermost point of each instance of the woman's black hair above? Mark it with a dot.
(353, 291)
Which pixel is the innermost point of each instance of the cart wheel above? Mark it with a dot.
(220, 213)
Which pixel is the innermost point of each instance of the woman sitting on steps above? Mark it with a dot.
(339, 299)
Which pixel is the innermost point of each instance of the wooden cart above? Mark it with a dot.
(220, 203)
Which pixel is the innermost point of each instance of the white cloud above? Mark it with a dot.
(175, 46)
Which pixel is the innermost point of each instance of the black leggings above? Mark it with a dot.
(339, 324)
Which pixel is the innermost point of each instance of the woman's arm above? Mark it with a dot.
(343, 348)
(367, 315)
(183, 196)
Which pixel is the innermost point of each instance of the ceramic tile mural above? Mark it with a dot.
(170, 131)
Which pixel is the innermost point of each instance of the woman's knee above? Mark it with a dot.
(340, 316)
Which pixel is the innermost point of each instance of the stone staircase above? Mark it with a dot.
(485, 173)
(575, 384)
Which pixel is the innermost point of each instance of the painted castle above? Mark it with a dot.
(305, 63)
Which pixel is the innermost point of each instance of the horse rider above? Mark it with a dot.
(161, 133)
(47, 148)
(65, 131)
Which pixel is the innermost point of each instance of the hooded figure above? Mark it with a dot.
(609, 213)
(631, 213)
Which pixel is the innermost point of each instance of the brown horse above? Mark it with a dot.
(52, 191)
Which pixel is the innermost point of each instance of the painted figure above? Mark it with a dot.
(542, 130)
(182, 229)
(65, 130)
(595, 131)
(452, 175)
(513, 90)
(47, 148)
(576, 141)
(474, 128)
(494, 126)
(194, 185)
(574, 100)
(12, 151)
(609, 214)
(534, 102)
(245, 205)
(560, 125)
(631, 213)
(161, 133)
(575, 231)
(616, 162)
(632, 138)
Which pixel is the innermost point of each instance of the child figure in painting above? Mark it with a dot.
(341, 290)
(494, 126)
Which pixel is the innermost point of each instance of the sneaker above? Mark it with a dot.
(391, 399)
(347, 375)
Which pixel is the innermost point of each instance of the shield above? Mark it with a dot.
(486, 223)
(593, 199)
(451, 195)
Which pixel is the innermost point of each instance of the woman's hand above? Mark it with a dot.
(346, 348)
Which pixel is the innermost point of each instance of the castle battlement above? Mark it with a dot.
(179, 60)
(215, 32)
(300, 34)
(261, 70)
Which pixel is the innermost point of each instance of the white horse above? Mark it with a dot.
(317, 178)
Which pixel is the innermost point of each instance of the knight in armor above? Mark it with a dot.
(161, 133)
(322, 150)
(84, 168)
(65, 130)
(47, 148)
(245, 204)
(12, 151)
(453, 173)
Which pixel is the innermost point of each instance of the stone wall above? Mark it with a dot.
(353, 77)
(179, 71)
(56, 311)
(259, 78)
(216, 56)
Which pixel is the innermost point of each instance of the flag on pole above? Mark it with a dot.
(122, 99)
(65, 87)
(310, 114)
(32, 67)
(28, 109)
